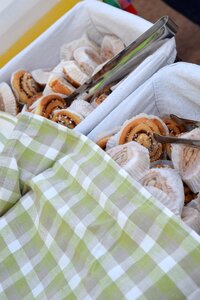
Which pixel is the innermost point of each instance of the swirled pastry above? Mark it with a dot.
(24, 86)
(98, 100)
(32, 108)
(82, 107)
(189, 195)
(191, 217)
(41, 76)
(87, 58)
(186, 160)
(33, 100)
(163, 198)
(67, 118)
(60, 86)
(111, 45)
(101, 96)
(74, 74)
(133, 157)
(7, 100)
(57, 83)
(104, 138)
(168, 181)
(174, 129)
(195, 203)
(140, 129)
(103, 141)
(48, 104)
(67, 49)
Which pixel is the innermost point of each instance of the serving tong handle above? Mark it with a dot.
(127, 60)
(175, 140)
(187, 122)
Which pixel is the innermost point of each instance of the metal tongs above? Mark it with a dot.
(127, 60)
(175, 140)
(190, 124)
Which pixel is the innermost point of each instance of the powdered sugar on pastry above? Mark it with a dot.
(87, 58)
(7, 99)
(191, 217)
(133, 157)
(168, 181)
(111, 45)
(186, 160)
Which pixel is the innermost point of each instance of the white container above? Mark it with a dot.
(173, 90)
(97, 19)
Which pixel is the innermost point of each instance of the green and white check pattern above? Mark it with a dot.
(7, 123)
(74, 225)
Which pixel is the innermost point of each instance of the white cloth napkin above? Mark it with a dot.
(163, 56)
(96, 19)
(174, 89)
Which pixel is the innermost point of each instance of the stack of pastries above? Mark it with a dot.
(43, 92)
(171, 173)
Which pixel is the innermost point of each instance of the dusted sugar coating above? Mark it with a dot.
(111, 46)
(186, 160)
(67, 49)
(163, 198)
(7, 100)
(87, 58)
(168, 181)
(41, 76)
(191, 217)
(67, 118)
(82, 107)
(74, 74)
(133, 157)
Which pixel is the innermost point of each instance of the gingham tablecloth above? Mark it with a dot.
(74, 225)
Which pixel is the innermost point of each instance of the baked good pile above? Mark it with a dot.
(171, 173)
(43, 92)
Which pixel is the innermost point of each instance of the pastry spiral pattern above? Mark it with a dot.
(186, 160)
(168, 181)
(140, 129)
(67, 118)
(174, 130)
(24, 86)
(48, 104)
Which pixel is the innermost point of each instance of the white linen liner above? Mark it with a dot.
(174, 89)
(96, 18)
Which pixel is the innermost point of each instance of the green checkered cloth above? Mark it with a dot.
(75, 226)
(7, 123)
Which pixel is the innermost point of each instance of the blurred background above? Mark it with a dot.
(22, 21)
(188, 36)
